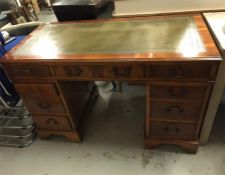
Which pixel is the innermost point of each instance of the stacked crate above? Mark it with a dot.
(16, 127)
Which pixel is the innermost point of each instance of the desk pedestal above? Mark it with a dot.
(177, 94)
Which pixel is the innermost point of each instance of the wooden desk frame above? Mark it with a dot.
(160, 70)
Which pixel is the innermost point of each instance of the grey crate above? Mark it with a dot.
(14, 113)
(18, 141)
(16, 123)
(15, 132)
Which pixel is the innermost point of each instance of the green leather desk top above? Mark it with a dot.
(145, 35)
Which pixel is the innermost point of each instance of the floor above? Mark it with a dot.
(47, 15)
(113, 144)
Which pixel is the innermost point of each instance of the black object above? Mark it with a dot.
(4, 22)
(71, 10)
(7, 5)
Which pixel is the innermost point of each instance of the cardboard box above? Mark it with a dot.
(36, 6)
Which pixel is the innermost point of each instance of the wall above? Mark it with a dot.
(125, 7)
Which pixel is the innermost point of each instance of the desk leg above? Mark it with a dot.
(72, 136)
(189, 146)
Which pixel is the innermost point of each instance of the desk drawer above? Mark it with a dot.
(37, 90)
(194, 70)
(45, 106)
(173, 130)
(126, 71)
(100, 71)
(52, 123)
(178, 91)
(27, 71)
(175, 110)
(80, 71)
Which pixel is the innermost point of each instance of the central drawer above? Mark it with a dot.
(100, 71)
(79, 71)
(126, 72)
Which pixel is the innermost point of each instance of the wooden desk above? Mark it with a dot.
(174, 55)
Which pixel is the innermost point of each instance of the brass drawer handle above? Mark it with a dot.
(177, 93)
(96, 71)
(74, 71)
(44, 105)
(27, 70)
(122, 74)
(49, 121)
(31, 93)
(179, 72)
(171, 108)
(172, 130)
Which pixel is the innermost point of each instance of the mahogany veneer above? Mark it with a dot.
(175, 56)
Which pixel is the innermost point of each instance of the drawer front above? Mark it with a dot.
(52, 123)
(173, 130)
(80, 71)
(45, 106)
(180, 111)
(126, 71)
(164, 91)
(37, 90)
(26, 71)
(183, 71)
(101, 71)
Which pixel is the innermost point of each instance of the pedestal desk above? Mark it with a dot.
(175, 56)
